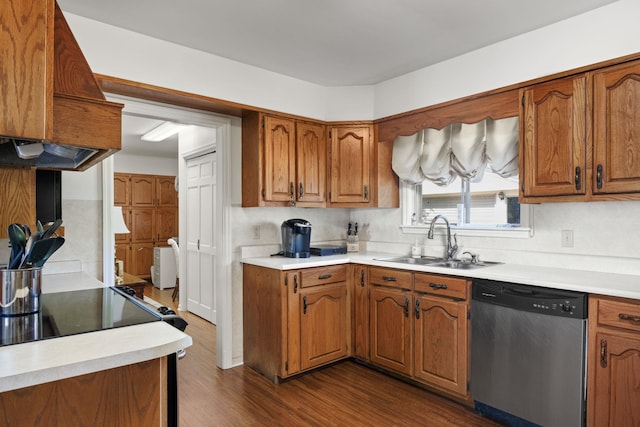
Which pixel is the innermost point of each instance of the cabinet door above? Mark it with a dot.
(141, 259)
(351, 155)
(323, 324)
(121, 189)
(441, 335)
(555, 122)
(360, 288)
(143, 190)
(166, 223)
(617, 390)
(279, 161)
(616, 129)
(311, 163)
(391, 323)
(166, 194)
(142, 224)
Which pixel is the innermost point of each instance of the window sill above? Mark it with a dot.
(507, 233)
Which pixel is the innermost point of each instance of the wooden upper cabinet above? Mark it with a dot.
(26, 68)
(616, 129)
(279, 159)
(554, 121)
(351, 168)
(283, 162)
(121, 190)
(166, 193)
(143, 190)
(311, 163)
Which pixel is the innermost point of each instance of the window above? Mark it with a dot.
(465, 172)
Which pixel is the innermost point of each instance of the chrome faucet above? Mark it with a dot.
(451, 248)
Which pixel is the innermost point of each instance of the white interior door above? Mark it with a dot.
(201, 242)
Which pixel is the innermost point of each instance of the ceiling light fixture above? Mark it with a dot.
(162, 132)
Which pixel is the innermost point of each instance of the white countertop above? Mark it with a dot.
(23, 365)
(621, 285)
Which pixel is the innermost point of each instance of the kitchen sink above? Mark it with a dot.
(458, 264)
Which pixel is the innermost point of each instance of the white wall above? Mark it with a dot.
(605, 33)
(127, 163)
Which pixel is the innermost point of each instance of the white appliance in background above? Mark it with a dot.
(163, 271)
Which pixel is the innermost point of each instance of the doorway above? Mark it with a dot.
(205, 133)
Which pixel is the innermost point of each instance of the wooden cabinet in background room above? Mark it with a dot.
(351, 167)
(150, 209)
(283, 162)
(613, 372)
(294, 320)
(561, 159)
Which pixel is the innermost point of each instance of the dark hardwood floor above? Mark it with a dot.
(344, 394)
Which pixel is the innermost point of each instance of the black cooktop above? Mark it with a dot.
(75, 312)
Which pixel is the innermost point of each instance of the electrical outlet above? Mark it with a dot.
(566, 237)
(256, 232)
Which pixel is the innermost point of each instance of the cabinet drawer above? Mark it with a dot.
(322, 275)
(390, 277)
(619, 314)
(434, 284)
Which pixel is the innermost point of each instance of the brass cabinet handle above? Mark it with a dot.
(389, 279)
(325, 276)
(578, 180)
(366, 193)
(304, 305)
(603, 353)
(301, 192)
(629, 317)
(362, 278)
(417, 308)
(438, 286)
(295, 284)
(406, 307)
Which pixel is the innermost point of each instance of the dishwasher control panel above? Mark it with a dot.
(537, 299)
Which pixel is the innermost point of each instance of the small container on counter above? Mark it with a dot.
(20, 291)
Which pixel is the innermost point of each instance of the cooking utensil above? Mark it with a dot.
(39, 227)
(57, 242)
(37, 252)
(16, 259)
(18, 240)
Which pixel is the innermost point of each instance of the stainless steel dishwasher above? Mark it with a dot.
(528, 360)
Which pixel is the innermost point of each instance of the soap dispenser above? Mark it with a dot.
(416, 250)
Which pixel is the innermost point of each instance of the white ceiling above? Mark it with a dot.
(328, 42)
(133, 127)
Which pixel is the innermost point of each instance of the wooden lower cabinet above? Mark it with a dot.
(323, 325)
(423, 331)
(141, 259)
(391, 325)
(613, 374)
(133, 395)
(294, 320)
(441, 343)
(359, 285)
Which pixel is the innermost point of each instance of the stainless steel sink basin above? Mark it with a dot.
(416, 261)
(464, 264)
(441, 262)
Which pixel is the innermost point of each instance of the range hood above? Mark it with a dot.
(53, 114)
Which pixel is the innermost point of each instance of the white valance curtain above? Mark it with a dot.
(458, 149)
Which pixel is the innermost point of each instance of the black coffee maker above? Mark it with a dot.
(296, 238)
